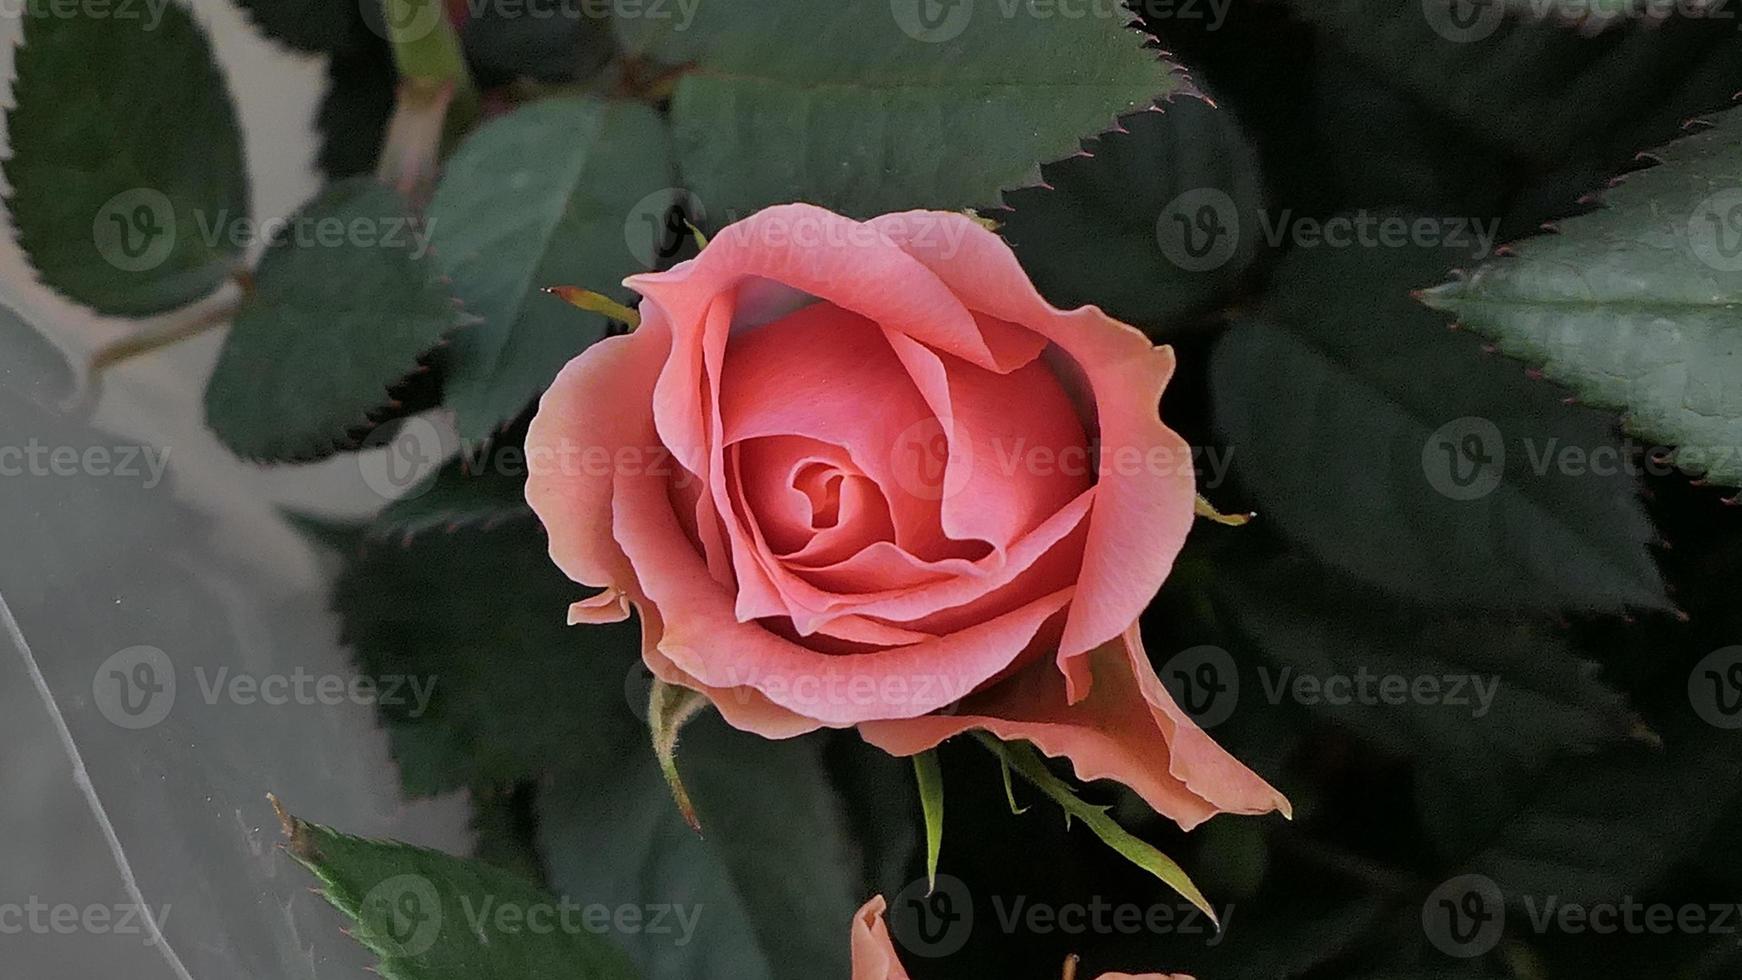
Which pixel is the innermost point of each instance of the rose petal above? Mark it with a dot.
(705, 639)
(1127, 729)
(1143, 509)
(873, 953)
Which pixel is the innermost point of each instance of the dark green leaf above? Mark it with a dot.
(1635, 305)
(126, 171)
(877, 110)
(347, 304)
(477, 617)
(545, 196)
(1506, 696)
(334, 27)
(432, 916)
(1123, 227)
(1389, 448)
(481, 490)
(774, 878)
(355, 110)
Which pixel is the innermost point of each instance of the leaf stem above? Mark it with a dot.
(1028, 764)
(146, 341)
(669, 708)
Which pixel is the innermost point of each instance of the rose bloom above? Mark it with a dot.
(874, 955)
(861, 474)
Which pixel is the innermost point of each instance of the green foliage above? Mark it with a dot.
(431, 916)
(877, 110)
(545, 196)
(1633, 305)
(1096, 232)
(116, 207)
(1393, 450)
(931, 797)
(478, 618)
(347, 304)
(774, 875)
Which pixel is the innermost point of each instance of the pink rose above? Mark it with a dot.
(861, 474)
(874, 955)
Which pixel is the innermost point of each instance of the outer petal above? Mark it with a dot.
(874, 954)
(1128, 729)
(572, 451)
(1143, 507)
